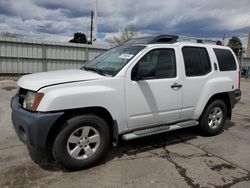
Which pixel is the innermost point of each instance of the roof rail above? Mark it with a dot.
(169, 39)
(196, 40)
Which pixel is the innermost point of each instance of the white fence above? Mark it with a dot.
(29, 56)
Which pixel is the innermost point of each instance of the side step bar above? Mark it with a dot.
(159, 129)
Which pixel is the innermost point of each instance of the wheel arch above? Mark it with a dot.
(97, 110)
(226, 98)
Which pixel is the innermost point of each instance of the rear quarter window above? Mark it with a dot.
(225, 59)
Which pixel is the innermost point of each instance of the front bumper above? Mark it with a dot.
(32, 128)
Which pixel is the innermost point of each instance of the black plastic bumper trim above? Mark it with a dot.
(32, 128)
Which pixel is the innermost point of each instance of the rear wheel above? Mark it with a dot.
(83, 141)
(214, 117)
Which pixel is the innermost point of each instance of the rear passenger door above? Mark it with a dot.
(197, 71)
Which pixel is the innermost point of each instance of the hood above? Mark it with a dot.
(38, 80)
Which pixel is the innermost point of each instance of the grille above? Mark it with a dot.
(22, 93)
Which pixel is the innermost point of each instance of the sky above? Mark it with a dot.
(58, 20)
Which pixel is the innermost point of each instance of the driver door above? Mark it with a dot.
(153, 89)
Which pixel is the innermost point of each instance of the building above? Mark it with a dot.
(248, 46)
(245, 66)
(246, 62)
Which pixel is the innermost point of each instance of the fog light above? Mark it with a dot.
(22, 133)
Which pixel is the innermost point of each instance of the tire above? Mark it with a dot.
(83, 141)
(211, 123)
(41, 157)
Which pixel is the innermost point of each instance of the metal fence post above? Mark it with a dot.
(18, 63)
(0, 59)
(86, 54)
(44, 66)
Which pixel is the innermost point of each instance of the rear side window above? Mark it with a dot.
(225, 59)
(196, 60)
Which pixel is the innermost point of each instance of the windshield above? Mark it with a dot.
(112, 61)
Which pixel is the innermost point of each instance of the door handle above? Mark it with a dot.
(176, 85)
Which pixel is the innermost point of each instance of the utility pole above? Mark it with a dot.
(91, 28)
(95, 21)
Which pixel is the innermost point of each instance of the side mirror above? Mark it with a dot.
(134, 73)
(142, 73)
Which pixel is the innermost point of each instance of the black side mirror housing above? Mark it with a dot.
(142, 73)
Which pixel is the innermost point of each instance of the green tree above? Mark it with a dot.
(236, 45)
(79, 38)
(8, 35)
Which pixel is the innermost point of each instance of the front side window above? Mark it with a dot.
(112, 61)
(158, 63)
(225, 59)
(196, 60)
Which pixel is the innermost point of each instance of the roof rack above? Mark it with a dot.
(169, 39)
(196, 40)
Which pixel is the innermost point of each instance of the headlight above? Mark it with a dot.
(32, 100)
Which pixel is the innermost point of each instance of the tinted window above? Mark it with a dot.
(225, 59)
(196, 61)
(158, 63)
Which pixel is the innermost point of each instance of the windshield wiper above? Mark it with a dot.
(95, 70)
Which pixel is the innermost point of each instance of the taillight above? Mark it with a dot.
(239, 80)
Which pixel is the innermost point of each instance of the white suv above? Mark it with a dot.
(147, 86)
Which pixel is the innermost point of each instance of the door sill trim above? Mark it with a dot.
(158, 129)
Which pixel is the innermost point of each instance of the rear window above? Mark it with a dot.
(225, 59)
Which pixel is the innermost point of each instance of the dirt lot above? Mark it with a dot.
(176, 159)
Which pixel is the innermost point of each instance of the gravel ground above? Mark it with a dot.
(177, 159)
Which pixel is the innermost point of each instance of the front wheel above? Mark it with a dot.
(213, 118)
(82, 142)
